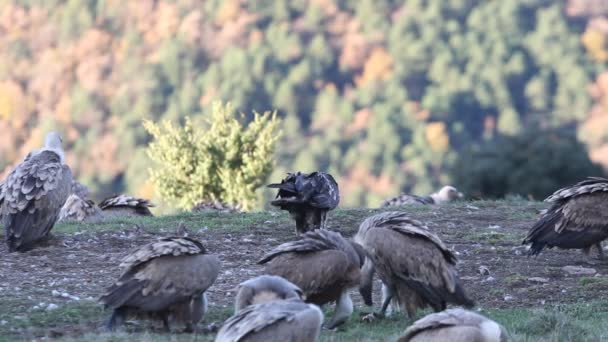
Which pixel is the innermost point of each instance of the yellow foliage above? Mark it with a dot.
(437, 136)
(379, 66)
(596, 44)
(228, 11)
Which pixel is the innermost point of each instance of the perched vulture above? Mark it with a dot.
(123, 205)
(78, 209)
(80, 189)
(263, 289)
(324, 265)
(454, 325)
(415, 267)
(34, 192)
(446, 194)
(307, 197)
(281, 320)
(577, 218)
(163, 279)
(215, 206)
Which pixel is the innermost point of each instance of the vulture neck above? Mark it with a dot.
(57, 151)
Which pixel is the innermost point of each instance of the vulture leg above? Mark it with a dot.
(600, 251)
(198, 309)
(367, 281)
(323, 220)
(166, 326)
(387, 295)
(117, 319)
(301, 224)
(393, 305)
(344, 308)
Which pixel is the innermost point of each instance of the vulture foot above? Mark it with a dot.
(371, 317)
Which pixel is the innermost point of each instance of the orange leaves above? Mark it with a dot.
(596, 44)
(437, 136)
(378, 67)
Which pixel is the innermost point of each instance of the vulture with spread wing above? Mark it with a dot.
(34, 192)
(454, 325)
(123, 205)
(263, 289)
(282, 320)
(415, 267)
(164, 279)
(577, 218)
(324, 265)
(447, 194)
(307, 197)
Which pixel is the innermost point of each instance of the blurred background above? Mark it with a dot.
(495, 97)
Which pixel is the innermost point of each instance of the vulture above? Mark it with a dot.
(263, 289)
(78, 209)
(281, 320)
(454, 325)
(415, 267)
(324, 265)
(447, 194)
(123, 205)
(307, 197)
(34, 192)
(576, 219)
(80, 189)
(163, 279)
(215, 206)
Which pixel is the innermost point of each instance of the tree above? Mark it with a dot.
(224, 162)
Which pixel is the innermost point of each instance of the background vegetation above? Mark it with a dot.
(383, 94)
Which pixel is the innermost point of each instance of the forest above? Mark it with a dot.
(388, 96)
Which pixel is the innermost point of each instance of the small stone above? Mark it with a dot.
(3, 322)
(55, 293)
(538, 280)
(494, 226)
(508, 298)
(484, 270)
(247, 240)
(578, 270)
(489, 279)
(52, 307)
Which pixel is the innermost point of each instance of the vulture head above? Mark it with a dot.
(53, 142)
(324, 265)
(446, 194)
(166, 279)
(415, 267)
(263, 289)
(455, 325)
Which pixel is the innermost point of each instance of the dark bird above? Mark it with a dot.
(307, 197)
(324, 265)
(282, 320)
(454, 325)
(447, 194)
(123, 205)
(415, 267)
(165, 279)
(264, 289)
(34, 192)
(577, 219)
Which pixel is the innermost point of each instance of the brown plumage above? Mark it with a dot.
(282, 320)
(80, 189)
(263, 289)
(307, 197)
(78, 209)
(123, 205)
(454, 325)
(577, 218)
(34, 192)
(446, 194)
(324, 265)
(164, 279)
(415, 267)
(215, 206)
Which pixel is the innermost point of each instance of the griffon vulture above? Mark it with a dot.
(307, 197)
(447, 194)
(263, 289)
(324, 265)
(415, 267)
(78, 209)
(577, 218)
(215, 206)
(34, 192)
(164, 279)
(282, 320)
(123, 205)
(454, 325)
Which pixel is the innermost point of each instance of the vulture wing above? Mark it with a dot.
(317, 189)
(166, 246)
(406, 199)
(78, 209)
(34, 193)
(285, 320)
(313, 241)
(578, 217)
(127, 205)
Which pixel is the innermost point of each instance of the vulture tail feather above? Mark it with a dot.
(117, 296)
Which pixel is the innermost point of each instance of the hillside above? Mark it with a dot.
(533, 297)
(383, 94)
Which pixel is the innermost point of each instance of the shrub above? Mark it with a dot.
(224, 161)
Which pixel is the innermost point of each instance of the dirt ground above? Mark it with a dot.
(486, 237)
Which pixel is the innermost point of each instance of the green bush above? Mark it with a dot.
(533, 164)
(224, 161)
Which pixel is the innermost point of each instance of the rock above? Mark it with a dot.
(494, 226)
(52, 307)
(468, 278)
(538, 280)
(508, 298)
(578, 270)
(484, 270)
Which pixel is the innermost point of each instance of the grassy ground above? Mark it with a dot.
(82, 262)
